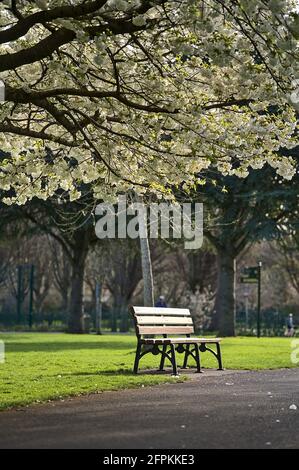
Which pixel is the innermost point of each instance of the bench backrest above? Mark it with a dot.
(162, 321)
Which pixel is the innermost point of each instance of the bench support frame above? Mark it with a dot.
(202, 348)
(185, 348)
(155, 350)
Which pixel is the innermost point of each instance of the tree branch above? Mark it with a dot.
(10, 128)
(19, 95)
(51, 43)
(39, 51)
(41, 17)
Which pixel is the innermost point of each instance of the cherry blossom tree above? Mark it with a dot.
(138, 94)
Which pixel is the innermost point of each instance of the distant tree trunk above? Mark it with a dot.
(65, 302)
(147, 273)
(124, 317)
(120, 309)
(114, 318)
(81, 244)
(225, 307)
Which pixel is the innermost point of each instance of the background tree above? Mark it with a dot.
(61, 272)
(242, 211)
(71, 225)
(122, 274)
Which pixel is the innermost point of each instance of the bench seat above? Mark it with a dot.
(169, 324)
(180, 340)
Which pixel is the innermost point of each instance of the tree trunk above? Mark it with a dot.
(225, 306)
(81, 242)
(124, 317)
(147, 273)
(114, 319)
(146, 262)
(65, 302)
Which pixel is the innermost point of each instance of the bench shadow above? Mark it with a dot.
(99, 373)
(129, 372)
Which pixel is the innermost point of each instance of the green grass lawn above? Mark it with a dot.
(45, 366)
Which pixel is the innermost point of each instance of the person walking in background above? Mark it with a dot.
(290, 326)
(161, 302)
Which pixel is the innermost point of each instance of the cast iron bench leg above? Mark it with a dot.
(186, 357)
(197, 355)
(220, 367)
(163, 357)
(137, 357)
(173, 360)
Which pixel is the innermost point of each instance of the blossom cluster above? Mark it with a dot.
(186, 85)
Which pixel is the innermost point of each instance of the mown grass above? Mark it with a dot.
(46, 366)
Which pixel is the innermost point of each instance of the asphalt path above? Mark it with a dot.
(216, 409)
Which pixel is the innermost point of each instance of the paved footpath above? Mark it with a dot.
(229, 409)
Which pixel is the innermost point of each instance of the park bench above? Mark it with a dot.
(164, 322)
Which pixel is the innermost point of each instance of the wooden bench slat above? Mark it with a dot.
(180, 340)
(161, 320)
(165, 330)
(180, 312)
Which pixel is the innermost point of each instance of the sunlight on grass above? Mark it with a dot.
(43, 366)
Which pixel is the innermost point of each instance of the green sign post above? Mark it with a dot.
(252, 275)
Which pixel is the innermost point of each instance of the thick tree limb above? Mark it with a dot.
(47, 46)
(41, 17)
(10, 128)
(22, 27)
(39, 51)
(19, 95)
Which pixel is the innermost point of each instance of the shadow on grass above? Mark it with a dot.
(124, 372)
(117, 372)
(67, 346)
